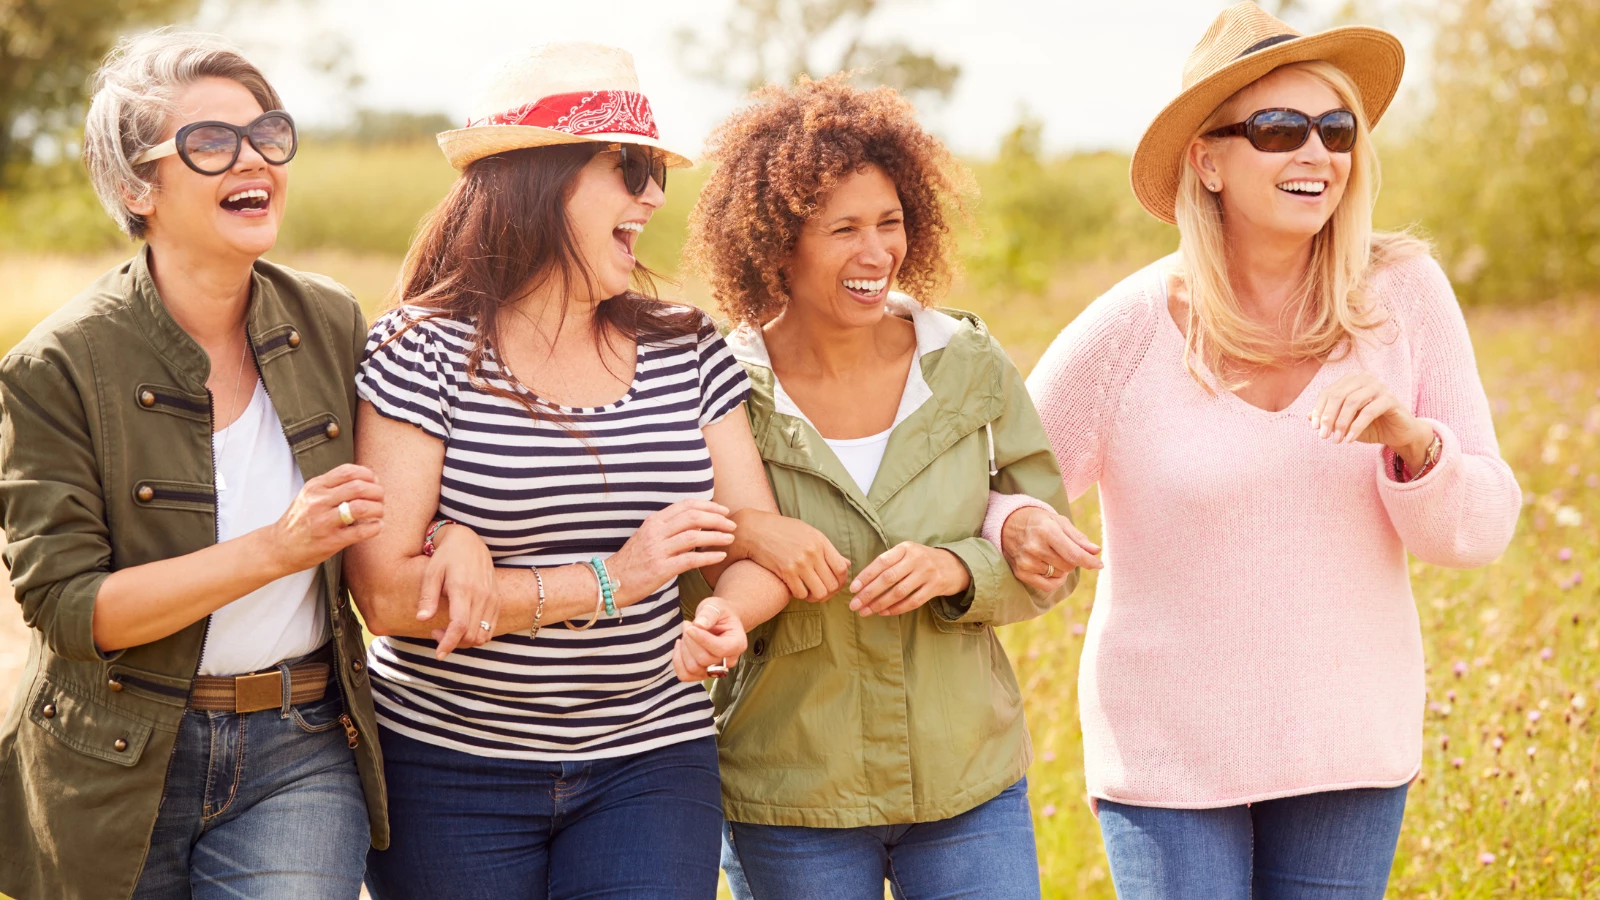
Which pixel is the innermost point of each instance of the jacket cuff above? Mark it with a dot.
(1001, 506)
(977, 602)
(70, 630)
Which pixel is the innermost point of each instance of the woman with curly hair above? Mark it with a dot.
(875, 728)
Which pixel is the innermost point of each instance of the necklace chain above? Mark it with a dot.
(233, 405)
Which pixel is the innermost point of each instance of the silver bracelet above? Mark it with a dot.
(538, 612)
(599, 603)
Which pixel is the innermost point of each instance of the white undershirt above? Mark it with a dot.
(281, 620)
(861, 456)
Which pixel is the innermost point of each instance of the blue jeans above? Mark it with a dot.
(262, 804)
(472, 827)
(986, 852)
(1334, 844)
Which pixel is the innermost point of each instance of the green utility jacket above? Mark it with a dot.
(105, 463)
(833, 720)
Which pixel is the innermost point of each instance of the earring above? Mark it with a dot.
(1212, 188)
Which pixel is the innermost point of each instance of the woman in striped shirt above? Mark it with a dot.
(546, 725)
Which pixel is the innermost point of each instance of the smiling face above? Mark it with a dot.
(232, 215)
(607, 220)
(847, 255)
(1290, 194)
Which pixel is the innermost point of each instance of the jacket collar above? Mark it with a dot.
(183, 354)
(958, 381)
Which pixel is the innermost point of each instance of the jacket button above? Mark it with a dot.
(119, 744)
(147, 399)
(49, 710)
(332, 430)
(760, 647)
(115, 686)
(146, 493)
(294, 339)
(356, 665)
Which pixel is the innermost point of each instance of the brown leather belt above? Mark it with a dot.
(308, 682)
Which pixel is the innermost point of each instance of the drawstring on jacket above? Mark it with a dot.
(988, 428)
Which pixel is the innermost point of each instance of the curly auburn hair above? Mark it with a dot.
(776, 162)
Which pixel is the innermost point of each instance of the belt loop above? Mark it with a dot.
(283, 668)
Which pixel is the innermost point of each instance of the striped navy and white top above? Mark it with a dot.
(539, 495)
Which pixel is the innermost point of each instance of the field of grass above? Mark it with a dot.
(1507, 804)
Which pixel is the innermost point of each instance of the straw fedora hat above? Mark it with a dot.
(559, 93)
(1243, 44)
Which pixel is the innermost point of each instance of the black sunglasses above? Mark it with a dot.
(212, 148)
(639, 165)
(1283, 130)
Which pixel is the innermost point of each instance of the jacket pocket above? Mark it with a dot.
(308, 433)
(90, 728)
(948, 627)
(185, 495)
(788, 632)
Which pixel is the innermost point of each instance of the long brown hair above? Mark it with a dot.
(502, 231)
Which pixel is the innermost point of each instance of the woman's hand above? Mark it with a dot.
(797, 553)
(463, 571)
(1359, 407)
(1042, 548)
(311, 530)
(715, 637)
(667, 545)
(905, 577)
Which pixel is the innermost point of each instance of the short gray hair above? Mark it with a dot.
(134, 94)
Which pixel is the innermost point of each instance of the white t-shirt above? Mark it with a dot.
(861, 456)
(257, 479)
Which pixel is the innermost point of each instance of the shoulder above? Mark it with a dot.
(105, 300)
(419, 327)
(1131, 307)
(319, 295)
(1413, 288)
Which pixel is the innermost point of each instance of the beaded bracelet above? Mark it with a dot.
(607, 591)
(538, 612)
(427, 540)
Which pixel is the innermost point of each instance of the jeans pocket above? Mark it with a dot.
(319, 715)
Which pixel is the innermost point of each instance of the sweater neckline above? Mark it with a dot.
(1297, 406)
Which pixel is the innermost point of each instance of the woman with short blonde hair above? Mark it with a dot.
(1275, 416)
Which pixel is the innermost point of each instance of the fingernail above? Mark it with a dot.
(855, 587)
(1324, 431)
(855, 604)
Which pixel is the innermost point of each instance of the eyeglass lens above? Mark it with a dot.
(214, 148)
(1281, 130)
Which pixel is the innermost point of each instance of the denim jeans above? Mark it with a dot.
(261, 804)
(1334, 844)
(986, 852)
(473, 827)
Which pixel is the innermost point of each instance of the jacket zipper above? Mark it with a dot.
(351, 736)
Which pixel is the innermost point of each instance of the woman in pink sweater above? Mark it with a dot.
(1275, 415)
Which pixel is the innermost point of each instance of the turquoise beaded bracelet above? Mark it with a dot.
(606, 590)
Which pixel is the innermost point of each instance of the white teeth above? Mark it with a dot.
(866, 287)
(1303, 187)
(252, 194)
(634, 227)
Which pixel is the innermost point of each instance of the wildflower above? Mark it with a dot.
(1450, 695)
(1532, 751)
(1458, 762)
(1568, 517)
(1486, 858)
(1077, 628)
(1546, 653)
(1048, 756)
(1564, 554)
(1497, 743)
(1048, 811)
(1460, 668)
(1592, 481)
(1577, 701)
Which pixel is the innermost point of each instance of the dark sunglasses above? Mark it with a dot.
(639, 165)
(1283, 130)
(212, 148)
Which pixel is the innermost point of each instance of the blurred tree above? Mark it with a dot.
(780, 40)
(1504, 169)
(48, 50)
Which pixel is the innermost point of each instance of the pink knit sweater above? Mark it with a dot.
(1254, 635)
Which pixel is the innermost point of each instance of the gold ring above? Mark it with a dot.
(345, 515)
(1050, 570)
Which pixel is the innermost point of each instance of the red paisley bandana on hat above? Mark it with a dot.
(585, 112)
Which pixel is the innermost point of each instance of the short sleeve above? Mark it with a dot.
(723, 382)
(407, 372)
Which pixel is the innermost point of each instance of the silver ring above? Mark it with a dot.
(345, 515)
(485, 626)
(1050, 570)
(717, 671)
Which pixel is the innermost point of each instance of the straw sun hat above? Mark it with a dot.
(1243, 44)
(559, 93)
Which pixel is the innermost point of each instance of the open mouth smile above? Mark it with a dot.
(627, 237)
(867, 290)
(1308, 189)
(249, 203)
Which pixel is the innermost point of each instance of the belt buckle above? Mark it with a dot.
(263, 690)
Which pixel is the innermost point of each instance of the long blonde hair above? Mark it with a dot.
(1331, 304)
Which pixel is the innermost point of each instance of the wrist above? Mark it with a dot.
(268, 548)
(957, 577)
(1414, 449)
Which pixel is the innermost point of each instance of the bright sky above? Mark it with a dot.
(1094, 73)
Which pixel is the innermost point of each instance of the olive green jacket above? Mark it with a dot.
(105, 463)
(833, 720)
